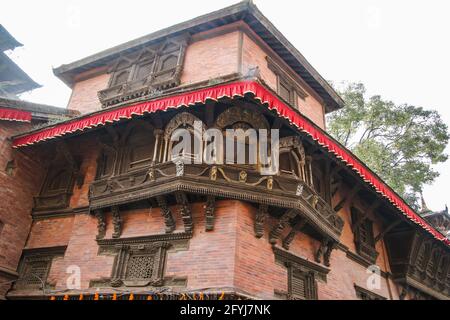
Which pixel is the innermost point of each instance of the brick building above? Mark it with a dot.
(20, 174)
(113, 214)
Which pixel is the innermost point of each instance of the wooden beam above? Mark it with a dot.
(347, 199)
(386, 230)
(366, 213)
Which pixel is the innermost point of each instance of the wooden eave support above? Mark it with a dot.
(278, 228)
(185, 211)
(386, 230)
(117, 222)
(210, 207)
(166, 213)
(291, 235)
(367, 213)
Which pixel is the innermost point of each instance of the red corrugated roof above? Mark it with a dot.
(241, 88)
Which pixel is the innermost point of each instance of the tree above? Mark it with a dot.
(400, 143)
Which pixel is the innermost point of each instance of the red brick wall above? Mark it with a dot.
(255, 55)
(228, 257)
(211, 58)
(84, 93)
(16, 194)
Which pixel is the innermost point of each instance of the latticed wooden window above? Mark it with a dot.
(35, 266)
(35, 273)
(140, 267)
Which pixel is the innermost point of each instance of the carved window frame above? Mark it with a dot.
(293, 146)
(302, 269)
(156, 251)
(51, 199)
(284, 79)
(364, 294)
(309, 284)
(32, 258)
(119, 150)
(183, 119)
(126, 148)
(156, 78)
(156, 246)
(365, 245)
(236, 117)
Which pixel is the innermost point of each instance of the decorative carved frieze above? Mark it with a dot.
(166, 213)
(210, 207)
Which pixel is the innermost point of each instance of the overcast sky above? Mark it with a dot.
(398, 49)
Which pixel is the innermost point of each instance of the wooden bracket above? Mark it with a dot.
(291, 235)
(117, 222)
(278, 228)
(185, 211)
(260, 218)
(209, 212)
(166, 213)
(386, 230)
(367, 213)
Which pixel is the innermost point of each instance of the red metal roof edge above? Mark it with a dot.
(241, 88)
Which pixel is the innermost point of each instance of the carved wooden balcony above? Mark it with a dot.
(227, 181)
(419, 262)
(140, 88)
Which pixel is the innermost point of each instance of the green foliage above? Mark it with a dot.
(401, 143)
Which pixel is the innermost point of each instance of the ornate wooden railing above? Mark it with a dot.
(227, 181)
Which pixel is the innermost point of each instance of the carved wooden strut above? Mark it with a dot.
(101, 224)
(117, 222)
(166, 213)
(185, 211)
(282, 223)
(260, 218)
(209, 212)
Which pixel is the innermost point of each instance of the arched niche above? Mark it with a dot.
(292, 157)
(239, 118)
(187, 121)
